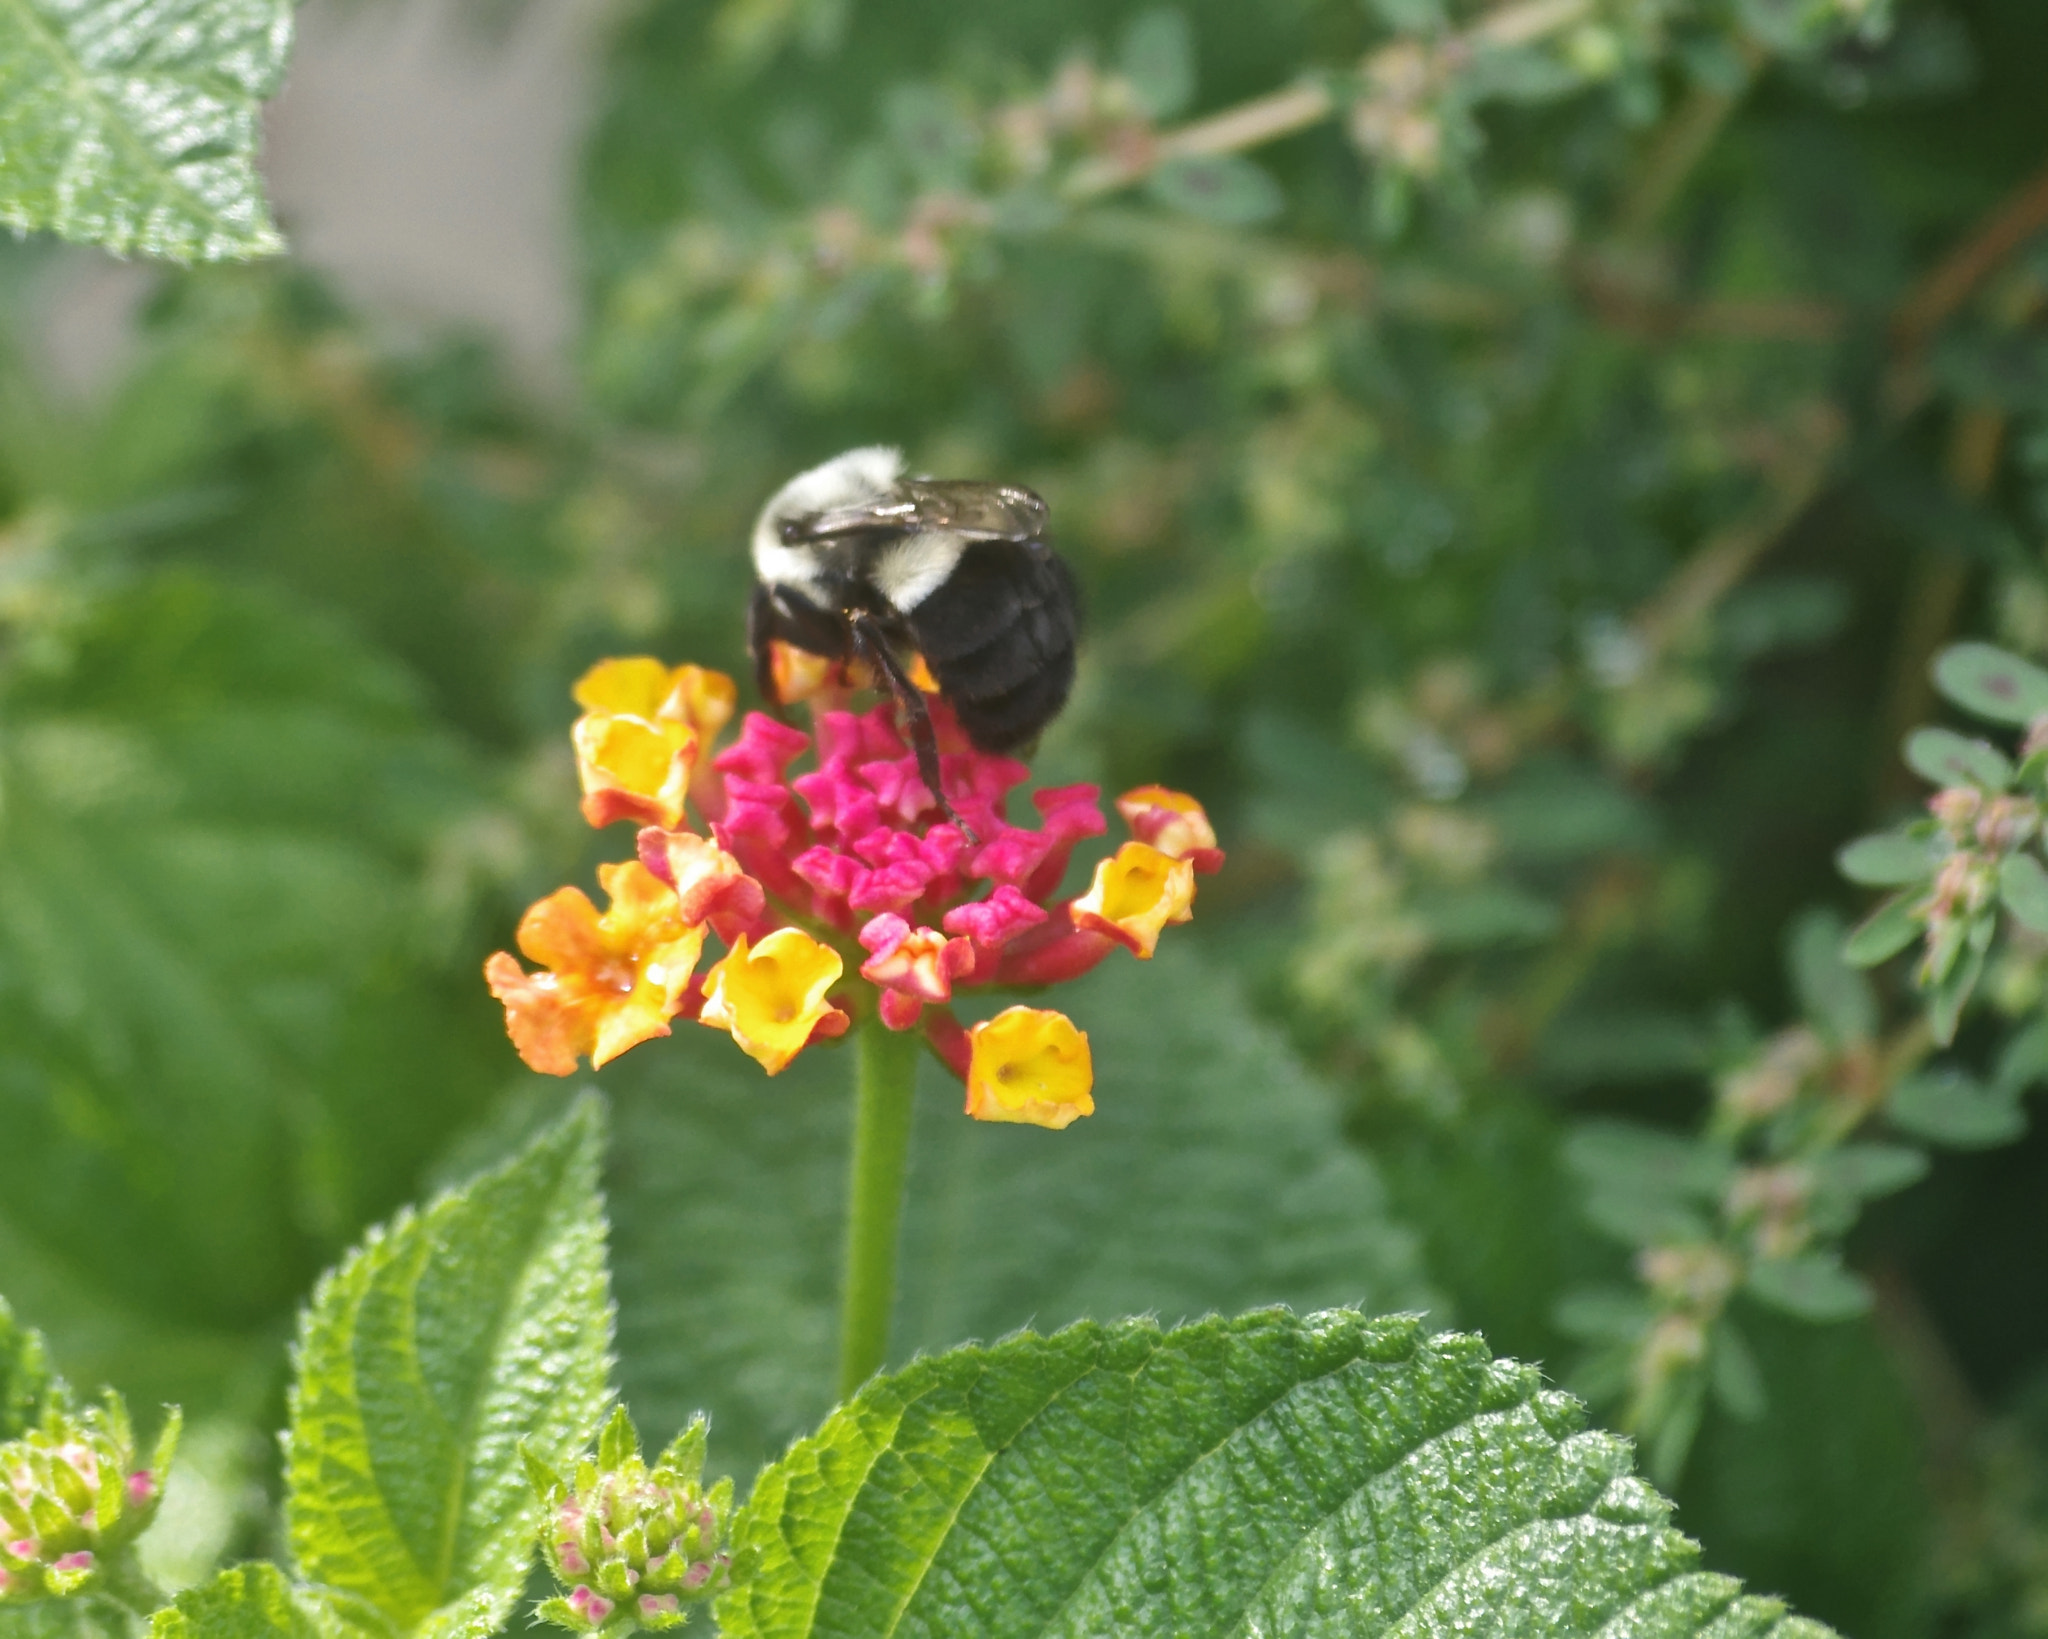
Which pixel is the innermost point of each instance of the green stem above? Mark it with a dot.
(123, 1580)
(885, 1076)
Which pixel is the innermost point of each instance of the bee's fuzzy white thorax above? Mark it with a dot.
(864, 474)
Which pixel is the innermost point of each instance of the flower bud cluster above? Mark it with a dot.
(633, 1546)
(71, 1494)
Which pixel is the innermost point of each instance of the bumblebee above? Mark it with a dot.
(857, 562)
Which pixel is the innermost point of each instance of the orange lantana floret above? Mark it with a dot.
(1174, 823)
(771, 997)
(608, 982)
(643, 730)
(1032, 1065)
(1136, 892)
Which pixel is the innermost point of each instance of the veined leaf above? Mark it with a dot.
(452, 1335)
(1213, 1176)
(134, 126)
(243, 1602)
(1268, 1474)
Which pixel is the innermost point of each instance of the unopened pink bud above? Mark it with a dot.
(589, 1604)
(659, 1604)
(80, 1561)
(697, 1575)
(141, 1487)
(23, 1548)
(572, 1559)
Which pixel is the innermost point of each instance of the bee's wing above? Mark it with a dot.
(979, 511)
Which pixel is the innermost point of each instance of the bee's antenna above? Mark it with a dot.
(871, 646)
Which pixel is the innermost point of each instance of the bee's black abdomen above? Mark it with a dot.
(999, 636)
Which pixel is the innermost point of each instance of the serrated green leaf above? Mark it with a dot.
(1813, 1286)
(1889, 859)
(243, 1602)
(1157, 56)
(1948, 1106)
(28, 1387)
(1883, 933)
(1992, 683)
(424, 1361)
(1226, 189)
(2023, 890)
(1948, 758)
(135, 126)
(1832, 993)
(727, 1192)
(1329, 1475)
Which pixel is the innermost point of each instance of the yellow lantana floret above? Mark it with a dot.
(1173, 822)
(1136, 892)
(608, 982)
(771, 997)
(1030, 1064)
(644, 728)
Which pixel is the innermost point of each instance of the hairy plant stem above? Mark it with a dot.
(885, 1078)
(123, 1581)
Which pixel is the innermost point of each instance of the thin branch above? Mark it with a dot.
(1297, 107)
(2023, 214)
(1681, 145)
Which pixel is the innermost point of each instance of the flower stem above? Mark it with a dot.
(885, 1077)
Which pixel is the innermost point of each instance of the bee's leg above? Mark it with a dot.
(870, 645)
(760, 632)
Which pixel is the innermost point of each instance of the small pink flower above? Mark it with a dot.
(589, 1604)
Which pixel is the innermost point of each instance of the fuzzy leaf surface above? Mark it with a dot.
(727, 1191)
(132, 124)
(452, 1335)
(1268, 1474)
(254, 1601)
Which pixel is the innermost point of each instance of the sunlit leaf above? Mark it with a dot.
(1328, 1475)
(450, 1337)
(243, 1602)
(135, 126)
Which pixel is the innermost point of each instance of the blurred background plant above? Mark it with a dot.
(1524, 461)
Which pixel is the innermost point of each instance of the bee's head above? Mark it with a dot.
(847, 480)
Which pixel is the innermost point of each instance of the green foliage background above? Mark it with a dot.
(1534, 559)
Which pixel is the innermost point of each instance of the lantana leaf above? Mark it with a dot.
(1993, 684)
(727, 1194)
(448, 1339)
(1268, 1474)
(134, 126)
(254, 1601)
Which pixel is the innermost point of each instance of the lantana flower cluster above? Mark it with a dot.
(633, 1546)
(71, 1495)
(820, 860)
